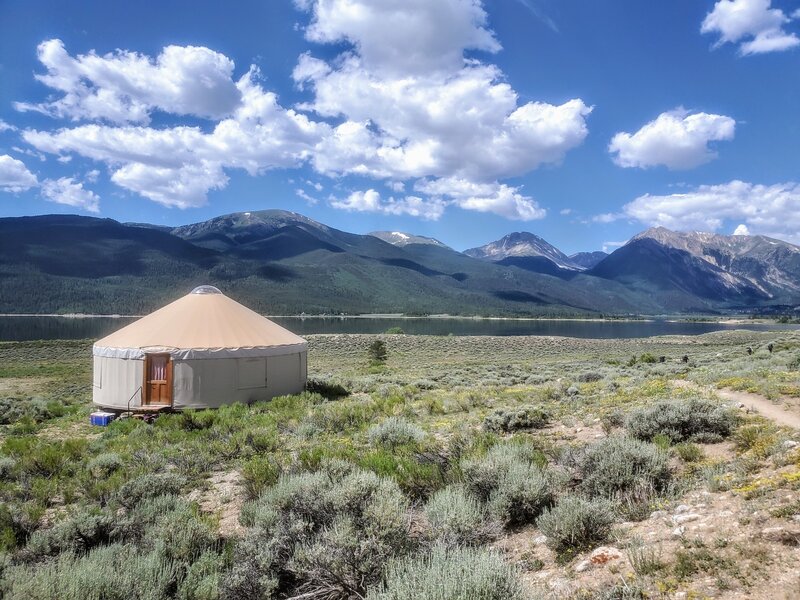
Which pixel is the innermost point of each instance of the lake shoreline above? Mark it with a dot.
(443, 317)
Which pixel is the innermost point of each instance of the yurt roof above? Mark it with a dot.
(203, 324)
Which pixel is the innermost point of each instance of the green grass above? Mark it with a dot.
(417, 422)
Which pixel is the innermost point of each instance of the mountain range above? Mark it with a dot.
(282, 262)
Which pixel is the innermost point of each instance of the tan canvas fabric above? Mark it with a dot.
(201, 325)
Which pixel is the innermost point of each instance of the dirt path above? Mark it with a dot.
(753, 402)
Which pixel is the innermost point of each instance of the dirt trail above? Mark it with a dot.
(779, 413)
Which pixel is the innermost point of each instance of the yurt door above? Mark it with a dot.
(157, 379)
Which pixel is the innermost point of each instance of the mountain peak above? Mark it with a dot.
(521, 244)
(400, 238)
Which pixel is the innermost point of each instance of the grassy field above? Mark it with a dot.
(459, 467)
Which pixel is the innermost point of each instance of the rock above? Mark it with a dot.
(582, 566)
(678, 531)
(789, 444)
(540, 540)
(658, 514)
(680, 595)
(682, 508)
(573, 391)
(604, 554)
(685, 518)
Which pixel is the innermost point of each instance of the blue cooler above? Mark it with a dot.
(101, 418)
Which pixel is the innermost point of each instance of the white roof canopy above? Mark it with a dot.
(203, 324)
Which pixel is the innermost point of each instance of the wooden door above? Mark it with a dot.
(157, 379)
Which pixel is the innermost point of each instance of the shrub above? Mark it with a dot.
(182, 536)
(575, 524)
(688, 452)
(257, 474)
(114, 572)
(149, 486)
(78, 534)
(394, 432)
(7, 465)
(511, 481)
(328, 534)
(612, 420)
(416, 478)
(760, 439)
(623, 469)
(450, 574)
(525, 417)
(693, 420)
(458, 519)
(524, 491)
(647, 358)
(589, 377)
(104, 465)
(376, 352)
(202, 578)
(328, 389)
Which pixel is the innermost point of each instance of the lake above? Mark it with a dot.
(50, 328)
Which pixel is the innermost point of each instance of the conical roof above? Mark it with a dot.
(203, 324)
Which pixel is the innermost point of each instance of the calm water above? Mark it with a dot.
(49, 328)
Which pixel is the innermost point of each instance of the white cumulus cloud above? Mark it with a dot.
(178, 166)
(765, 209)
(126, 86)
(70, 192)
(741, 229)
(14, 175)
(753, 24)
(424, 111)
(409, 102)
(676, 139)
(497, 198)
(371, 201)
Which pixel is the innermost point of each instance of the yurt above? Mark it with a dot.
(201, 351)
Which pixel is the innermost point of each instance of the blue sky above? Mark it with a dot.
(583, 122)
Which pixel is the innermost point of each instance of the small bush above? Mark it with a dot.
(589, 377)
(612, 420)
(326, 534)
(394, 432)
(575, 524)
(7, 465)
(645, 560)
(511, 481)
(328, 389)
(113, 572)
(149, 486)
(525, 417)
(647, 358)
(376, 352)
(450, 574)
(688, 452)
(623, 469)
(202, 578)
(693, 420)
(458, 519)
(104, 465)
(416, 478)
(760, 439)
(258, 474)
(78, 534)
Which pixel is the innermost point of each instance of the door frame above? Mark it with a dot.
(146, 401)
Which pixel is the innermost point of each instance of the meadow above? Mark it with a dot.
(452, 468)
